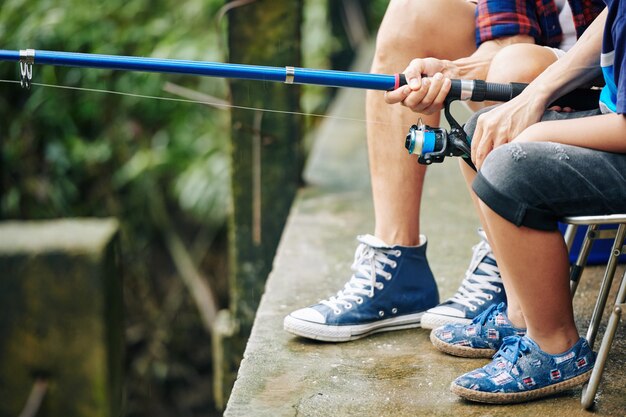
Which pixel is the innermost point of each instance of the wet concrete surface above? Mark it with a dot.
(388, 374)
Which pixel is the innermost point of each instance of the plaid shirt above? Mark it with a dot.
(537, 18)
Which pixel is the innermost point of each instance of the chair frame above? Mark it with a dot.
(593, 233)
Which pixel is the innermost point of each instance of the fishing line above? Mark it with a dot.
(208, 103)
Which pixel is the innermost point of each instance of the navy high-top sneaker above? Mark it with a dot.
(481, 288)
(390, 289)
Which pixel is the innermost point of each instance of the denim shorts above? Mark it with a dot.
(534, 184)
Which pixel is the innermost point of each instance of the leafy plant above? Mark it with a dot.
(74, 153)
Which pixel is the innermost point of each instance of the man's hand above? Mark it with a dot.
(425, 94)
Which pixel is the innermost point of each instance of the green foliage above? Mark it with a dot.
(376, 11)
(316, 48)
(67, 153)
(70, 152)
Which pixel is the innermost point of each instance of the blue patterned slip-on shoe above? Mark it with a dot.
(481, 339)
(521, 371)
(390, 289)
(481, 287)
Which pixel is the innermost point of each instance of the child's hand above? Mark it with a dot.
(503, 124)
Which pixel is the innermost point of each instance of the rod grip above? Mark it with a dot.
(479, 90)
(579, 99)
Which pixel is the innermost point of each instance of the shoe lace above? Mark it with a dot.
(512, 349)
(493, 309)
(479, 278)
(369, 262)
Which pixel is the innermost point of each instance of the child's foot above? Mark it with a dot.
(390, 289)
(480, 339)
(521, 371)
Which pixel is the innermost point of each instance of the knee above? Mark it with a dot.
(501, 160)
(530, 61)
(413, 29)
(398, 38)
(507, 168)
(515, 180)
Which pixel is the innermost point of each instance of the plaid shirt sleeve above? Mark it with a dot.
(502, 18)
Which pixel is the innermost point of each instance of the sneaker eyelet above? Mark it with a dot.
(499, 290)
(348, 306)
(337, 312)
(394, 310)
(388, 277)
(381, 313)
(489, 297)
(359, 300)
(473, 308)
(380, 285)
(397, 253)
(394, 265)
(481, 303)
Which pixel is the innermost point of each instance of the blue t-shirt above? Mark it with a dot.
(613, 58)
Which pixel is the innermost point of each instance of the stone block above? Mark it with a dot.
(61, 316)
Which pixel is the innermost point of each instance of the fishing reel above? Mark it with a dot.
(430, 144)
(433, 144)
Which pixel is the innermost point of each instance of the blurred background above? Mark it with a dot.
(162, 168)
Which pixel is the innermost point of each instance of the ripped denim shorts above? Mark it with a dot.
(534, 184)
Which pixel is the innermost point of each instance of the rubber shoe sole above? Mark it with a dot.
(432, 321)
(461, 351)
(347, 333)
(518, 397)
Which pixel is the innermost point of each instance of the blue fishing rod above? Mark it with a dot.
(428, 143)
(475, 90)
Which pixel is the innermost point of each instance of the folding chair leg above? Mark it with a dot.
(596, 317)
(569, 235)
(577, 269)
(590, 390)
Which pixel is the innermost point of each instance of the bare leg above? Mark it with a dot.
(530, 61)
(535, 268)
(410, 29)
(514, 311)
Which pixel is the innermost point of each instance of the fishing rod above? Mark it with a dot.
(475, 90)
(430, 144)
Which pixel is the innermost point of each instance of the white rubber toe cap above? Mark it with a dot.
(447, 311)
(309, 314)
